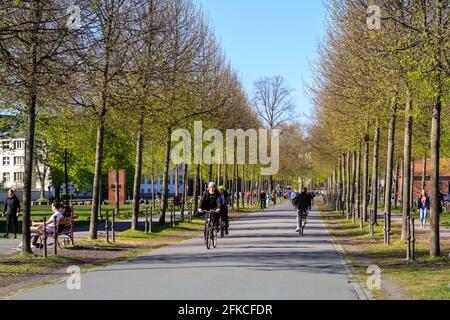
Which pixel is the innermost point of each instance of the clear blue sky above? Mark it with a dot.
(268, 38)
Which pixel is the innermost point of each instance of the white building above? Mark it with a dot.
(12, 161)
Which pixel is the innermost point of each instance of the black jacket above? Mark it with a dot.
(12, 206)
(304, 202)
(210, 201)
(427, 203)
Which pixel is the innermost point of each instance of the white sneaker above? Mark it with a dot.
(298, 229)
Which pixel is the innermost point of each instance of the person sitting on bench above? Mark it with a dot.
(49, 224)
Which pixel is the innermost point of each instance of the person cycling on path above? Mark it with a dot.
(224, 201)
(210, 201)
(303, 205)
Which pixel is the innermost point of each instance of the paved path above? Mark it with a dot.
(264, 258)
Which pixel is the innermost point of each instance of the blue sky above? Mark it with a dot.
(268, 38)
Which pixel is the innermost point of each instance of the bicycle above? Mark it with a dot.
(210, 230)
(303, 215)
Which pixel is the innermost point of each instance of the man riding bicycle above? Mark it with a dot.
(210, 201)
(303, 205)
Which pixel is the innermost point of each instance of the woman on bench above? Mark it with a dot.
(38, 228)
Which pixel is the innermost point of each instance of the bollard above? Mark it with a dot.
(408, 239)
(413, 240)
(107, 226)
(361, 219)
(151, 221)
(55, 236)
(372, 231)
(353, 215)
(146, 221)
(174, 217)
(386, 240)
(45, 238)
(113, 226)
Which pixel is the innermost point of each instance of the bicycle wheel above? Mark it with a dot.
(210, 237)
(303, 225)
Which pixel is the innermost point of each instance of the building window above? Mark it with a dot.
(5, 145)
(19, 144)
(18, 176)
(6, 177)
(18, 161)
(6, 161)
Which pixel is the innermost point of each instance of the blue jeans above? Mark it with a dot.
(423, 215)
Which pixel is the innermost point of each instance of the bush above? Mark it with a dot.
(42, 201)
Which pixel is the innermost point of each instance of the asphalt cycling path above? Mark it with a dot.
(262, 259)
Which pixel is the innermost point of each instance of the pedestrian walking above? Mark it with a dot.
(12, 211)
(423, 203)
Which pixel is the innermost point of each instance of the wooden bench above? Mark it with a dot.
(64, 230)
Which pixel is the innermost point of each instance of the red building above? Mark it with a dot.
(112, 187)
(444, 179)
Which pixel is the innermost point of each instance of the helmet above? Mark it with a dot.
(222, 188)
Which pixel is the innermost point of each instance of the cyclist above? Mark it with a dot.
(210, 201)
(224, 201)
(303, 205)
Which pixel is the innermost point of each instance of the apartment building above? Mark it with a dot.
(12, 161)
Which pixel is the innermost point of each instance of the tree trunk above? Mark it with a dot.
(424, 173)
(165, 186)
(348, 203)
(28, 174)
(196, 187)
(389, 166)
(406, 176)
(117, 194)
(353, 186)
(185, 190)
(358, 184)
(366, 178)
(97, 179)
(66, 177)
(435, 248)
(177, 178)
(375, 178)
(138, 175)
(340, 189)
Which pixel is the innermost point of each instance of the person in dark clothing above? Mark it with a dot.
(12, 211)
(210, 201)
(423, 204)
(303, 205)
(263, 199)
(224, 201)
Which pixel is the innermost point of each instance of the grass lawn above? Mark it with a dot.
(425, 278)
